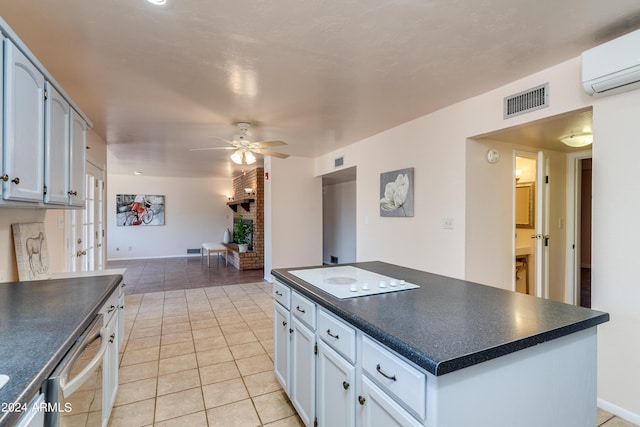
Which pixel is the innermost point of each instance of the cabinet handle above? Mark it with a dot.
(345, 385)
(4, 177)
(113, 307)
(16, 180)
(290, 330)
(279, 293)
(284, 323)
(299, 309)
(393, 377)
(331, 335)
(72, 193)
(113, 338)
(361, 400)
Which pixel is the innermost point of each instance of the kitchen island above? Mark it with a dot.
(448, 353)
(39, 323)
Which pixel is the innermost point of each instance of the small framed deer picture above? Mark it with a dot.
(32, 253)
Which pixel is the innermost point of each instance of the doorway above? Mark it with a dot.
(339, 217)
(579, 226)
(494, 182)
(525, 173)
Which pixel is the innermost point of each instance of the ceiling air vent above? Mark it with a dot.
(527, 101)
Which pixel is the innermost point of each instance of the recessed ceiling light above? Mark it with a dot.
(137, 173)
(158, 2)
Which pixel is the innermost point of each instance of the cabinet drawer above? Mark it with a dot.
(303, 309)
(282, 294)
(110, 308)
(340, 336)
(395, 376)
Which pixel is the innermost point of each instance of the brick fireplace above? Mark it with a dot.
(249, 206)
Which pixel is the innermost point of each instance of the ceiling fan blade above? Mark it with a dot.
(221, 139)
(270, 143)
(271, 153)
(212, 148)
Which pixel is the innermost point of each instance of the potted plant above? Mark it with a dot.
(242, 234)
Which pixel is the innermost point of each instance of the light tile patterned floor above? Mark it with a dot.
(200, 357)
(204, 357)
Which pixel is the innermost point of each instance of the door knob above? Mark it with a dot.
(4, 177)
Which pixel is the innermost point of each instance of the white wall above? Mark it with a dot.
(615, 285)
(453, 179)
(293, 214)
(339, 222)
(195, 212)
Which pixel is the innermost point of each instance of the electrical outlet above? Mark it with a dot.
(447, 223)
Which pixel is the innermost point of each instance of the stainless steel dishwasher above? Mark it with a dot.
(74, 392)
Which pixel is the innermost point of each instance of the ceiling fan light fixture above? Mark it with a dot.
(249, 158)
(578, 139)
(236, 157)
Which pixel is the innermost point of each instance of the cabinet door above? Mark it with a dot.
(77, 184)
(378, 409)
(110, 369)
(303, 371)
(56, 155)
(282, 345)
(336, 389)
(23, 148)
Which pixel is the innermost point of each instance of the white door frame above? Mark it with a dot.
(529, 155)
(97, 250)
(573, 224)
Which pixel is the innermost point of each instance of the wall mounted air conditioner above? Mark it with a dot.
(612, 67)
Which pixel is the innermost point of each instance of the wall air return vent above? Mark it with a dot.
(338, 162)
(527, 101)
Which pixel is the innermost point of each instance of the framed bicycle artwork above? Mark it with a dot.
(139, 209)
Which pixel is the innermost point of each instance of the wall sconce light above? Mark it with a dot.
(518, 173)
(578, 139)
(249, 191)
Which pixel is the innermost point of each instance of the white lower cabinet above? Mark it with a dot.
(336, 381)
(334, 374)
(282, 345)
(378, 409)
(34, 415)
(303, 371)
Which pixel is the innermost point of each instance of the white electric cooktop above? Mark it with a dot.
(350, 282)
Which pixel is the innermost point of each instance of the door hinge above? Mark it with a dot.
(315, 422)
(46, 95)
(97, 184)
(546, 179)
(315, 348)
(103, 232)
(103, 185)
(44, 189)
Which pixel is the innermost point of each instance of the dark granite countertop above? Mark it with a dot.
(39, 322)
(449, 324)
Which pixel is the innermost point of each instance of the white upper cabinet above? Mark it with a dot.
(78, 146)
(43, 146)
(56, 156)
(23, 145)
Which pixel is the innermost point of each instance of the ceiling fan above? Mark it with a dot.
(245, 147)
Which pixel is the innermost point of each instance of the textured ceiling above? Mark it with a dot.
(156, 81)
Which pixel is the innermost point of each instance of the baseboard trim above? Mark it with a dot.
(619, 412)
(153, 257)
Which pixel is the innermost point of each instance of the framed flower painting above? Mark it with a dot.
(396, 193)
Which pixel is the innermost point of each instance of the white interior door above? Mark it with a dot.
(542, 235)
(85, 228)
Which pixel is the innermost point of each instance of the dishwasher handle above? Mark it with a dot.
(95, 332)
